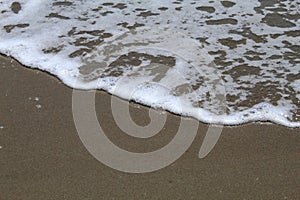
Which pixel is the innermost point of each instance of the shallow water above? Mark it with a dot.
(218, 61)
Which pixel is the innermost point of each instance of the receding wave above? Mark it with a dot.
(227, 62)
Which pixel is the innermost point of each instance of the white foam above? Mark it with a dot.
(171, 33)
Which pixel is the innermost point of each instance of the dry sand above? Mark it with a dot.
(42, 156)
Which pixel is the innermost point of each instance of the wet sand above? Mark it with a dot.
(42, 156)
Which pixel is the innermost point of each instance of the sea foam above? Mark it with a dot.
(217, 61)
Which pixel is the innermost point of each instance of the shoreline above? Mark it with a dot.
(266, 122)
(43, 156)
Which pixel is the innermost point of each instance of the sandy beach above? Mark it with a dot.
(42, 156)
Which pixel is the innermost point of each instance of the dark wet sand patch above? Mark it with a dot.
(80, 52)
(108, 4)
(16, 7)
(131, 59)
(231, 43)
(275, 57)
(206, 9)
(56, 15)
(295, 33)
(247, 33)
(53, 49)
(140, 9)
(120, 6)
(87, 45)
(147, 14)
(275, 19)
(222, 21)
(227, 4)
(62, 3)
(163, 8)
(243, 70)
(9, 28)
(267, 90)
(106, 13)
